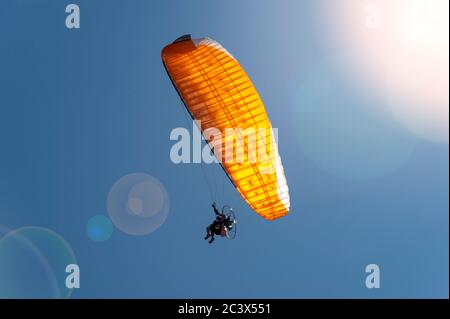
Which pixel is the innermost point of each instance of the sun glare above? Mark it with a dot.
(405, 56)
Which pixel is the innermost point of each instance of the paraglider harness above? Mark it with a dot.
(224, 224)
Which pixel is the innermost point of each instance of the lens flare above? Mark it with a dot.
(33, 262)
(138, 204)
(339, 129)
(402, 48)
(99, 228)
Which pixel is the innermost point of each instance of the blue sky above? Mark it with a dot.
(82, 108)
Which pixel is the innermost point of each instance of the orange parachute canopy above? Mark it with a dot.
(219, 95)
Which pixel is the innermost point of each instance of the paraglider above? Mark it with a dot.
(219, 95)
(224, 224)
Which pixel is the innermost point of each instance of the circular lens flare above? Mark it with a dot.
(138, 204)
(99, 228)
(33, 262)
(339, 129)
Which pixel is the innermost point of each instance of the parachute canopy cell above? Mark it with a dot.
(218, 93)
